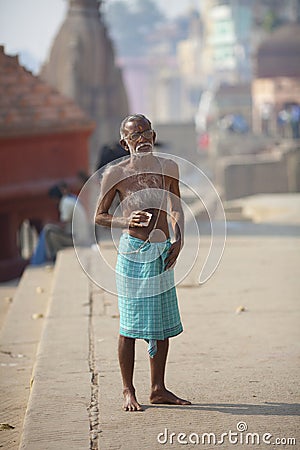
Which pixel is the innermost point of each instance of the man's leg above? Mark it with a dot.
(159, 393)
(126, 360)
(56, 239)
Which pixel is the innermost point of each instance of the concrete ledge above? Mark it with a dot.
(20, 336)
(58, 410)
(275, 208)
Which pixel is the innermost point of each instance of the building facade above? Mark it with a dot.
(276, 84)
(43, 140)
(227, 47)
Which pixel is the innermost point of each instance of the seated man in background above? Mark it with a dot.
(55, 237)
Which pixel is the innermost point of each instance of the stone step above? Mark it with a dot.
(199, 209)
(63, 406)
(7, 292)
(237, 217)
(20, 336)
(275, 208)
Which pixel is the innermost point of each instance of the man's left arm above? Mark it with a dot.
(177, 218)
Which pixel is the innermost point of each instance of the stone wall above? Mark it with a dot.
(277, 172)
(178, 139)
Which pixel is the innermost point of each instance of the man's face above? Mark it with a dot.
(139, 137)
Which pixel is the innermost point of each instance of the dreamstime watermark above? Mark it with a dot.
(198, 185)
(239, 437)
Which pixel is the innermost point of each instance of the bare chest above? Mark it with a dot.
(143, 191)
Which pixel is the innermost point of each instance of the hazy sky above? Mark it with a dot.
(30, 25)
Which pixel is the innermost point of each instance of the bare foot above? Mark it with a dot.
(164, 396)
(130, 401)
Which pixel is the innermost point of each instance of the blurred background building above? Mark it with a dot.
(81, 66)
(220, 81)
(43, 139)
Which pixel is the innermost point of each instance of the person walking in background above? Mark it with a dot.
(295, 121)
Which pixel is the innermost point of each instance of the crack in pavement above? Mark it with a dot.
(93, 408)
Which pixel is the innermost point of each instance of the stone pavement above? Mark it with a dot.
(20, 336)
(237, 360)
(233, 367)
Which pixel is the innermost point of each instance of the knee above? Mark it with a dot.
(125, 338)
(126, 341)
(48, 228)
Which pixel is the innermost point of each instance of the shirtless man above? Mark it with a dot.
(141, 171)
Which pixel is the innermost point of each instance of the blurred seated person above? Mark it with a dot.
(109, 153)
(56, 236)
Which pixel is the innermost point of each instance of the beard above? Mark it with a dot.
(148, 147)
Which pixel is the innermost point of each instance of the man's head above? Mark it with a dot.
(137, 136)
(57, 191)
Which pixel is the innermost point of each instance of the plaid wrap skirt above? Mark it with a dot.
(146, 291)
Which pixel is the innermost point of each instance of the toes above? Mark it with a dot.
(184, 402)
(180, 401)
(169, 398)
(132, 408)
(137, 407)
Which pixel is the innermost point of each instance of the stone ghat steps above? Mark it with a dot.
(46, 345)
(49, 378)
(7, 292)
(19, 341)
(57, 415)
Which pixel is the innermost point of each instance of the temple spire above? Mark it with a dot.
(81, 65)
(84, 5)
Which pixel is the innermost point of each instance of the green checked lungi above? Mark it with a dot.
(146, 291)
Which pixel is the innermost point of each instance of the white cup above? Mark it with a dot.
(146, 223)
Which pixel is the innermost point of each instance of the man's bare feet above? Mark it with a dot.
(130, 401)
(160, 396)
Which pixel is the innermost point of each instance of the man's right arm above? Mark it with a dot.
(109, 188)
(108, 192)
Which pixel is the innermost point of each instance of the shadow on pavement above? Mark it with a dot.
(253, 229)
(245, 409)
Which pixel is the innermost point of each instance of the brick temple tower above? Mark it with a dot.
(81, 66)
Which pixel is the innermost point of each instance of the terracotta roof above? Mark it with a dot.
(28, 105)
(279, 54)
